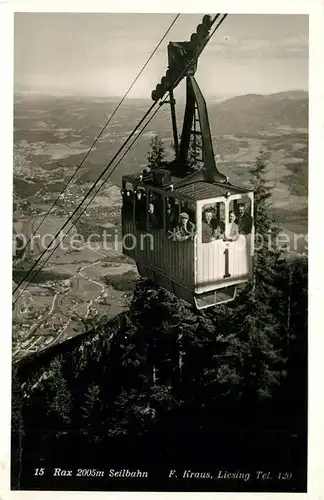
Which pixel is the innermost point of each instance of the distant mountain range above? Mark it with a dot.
(253, 113)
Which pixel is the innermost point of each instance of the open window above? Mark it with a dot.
(213, 222)
(155, 211)
(172, 212)
(179, 220)
(140, 212)
(241, 208)
(128, 199)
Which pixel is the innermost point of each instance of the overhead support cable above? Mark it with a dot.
(98, 136)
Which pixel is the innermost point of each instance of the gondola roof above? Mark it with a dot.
(194, 191)
(205, 190)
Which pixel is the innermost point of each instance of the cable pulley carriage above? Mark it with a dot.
(192, 233)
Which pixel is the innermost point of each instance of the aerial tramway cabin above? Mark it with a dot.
(192, 233)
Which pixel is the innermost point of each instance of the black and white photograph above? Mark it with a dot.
(160, 252)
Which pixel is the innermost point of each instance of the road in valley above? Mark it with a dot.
(33, 341)
(101, 287)
(34, 338)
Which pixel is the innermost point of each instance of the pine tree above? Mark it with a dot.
(194, 155)
(91, 404)
(91, 413)
(132, 413)
(267, 253)
(156, 155)
(59, 396)
(292, 281)
(172, 145)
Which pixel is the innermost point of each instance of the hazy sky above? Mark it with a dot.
(100, 54)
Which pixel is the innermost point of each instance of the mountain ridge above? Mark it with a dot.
(254, 113)
(293, 93)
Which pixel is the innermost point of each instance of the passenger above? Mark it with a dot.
(127, 207)
(232, 230)
(153, 222)
(139, 194)
(244, 220)
(151, 208)
(171, 220)
(212, 229)
(219, 229)
(129, 195)
(184, 229)
(140, 203)
(207, 232)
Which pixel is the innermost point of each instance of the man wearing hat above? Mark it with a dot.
(184, 229)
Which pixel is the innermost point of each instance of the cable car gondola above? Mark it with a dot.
(192, 234)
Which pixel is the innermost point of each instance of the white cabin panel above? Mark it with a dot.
(222, 263)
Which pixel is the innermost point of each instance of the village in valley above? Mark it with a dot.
(76, 285)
